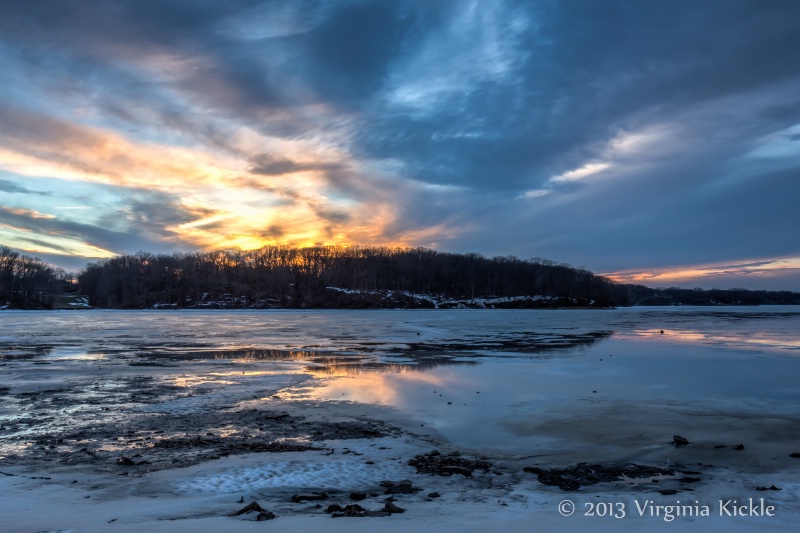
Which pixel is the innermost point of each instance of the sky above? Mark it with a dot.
(653, 141)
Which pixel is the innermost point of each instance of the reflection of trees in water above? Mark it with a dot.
(351, 369)
(535, 343)
(236, 354)
(423, 355)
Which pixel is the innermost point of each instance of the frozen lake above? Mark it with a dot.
(518, 382)
(157, 420)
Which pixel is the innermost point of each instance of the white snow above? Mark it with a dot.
(440, 301)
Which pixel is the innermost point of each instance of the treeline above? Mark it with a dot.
(641, 295)
(279, 276)
(337, 277)
(28, 282)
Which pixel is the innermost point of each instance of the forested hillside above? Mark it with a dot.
(339, 277)
(276, 276)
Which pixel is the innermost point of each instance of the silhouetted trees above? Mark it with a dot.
(641, 295)
(280, 276)
(27, 281)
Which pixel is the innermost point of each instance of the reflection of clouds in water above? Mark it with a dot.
(723, 336)
(374, 387)
(510, 342)
(497, 375)
(385, 383)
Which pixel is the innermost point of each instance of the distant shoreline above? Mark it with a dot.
(465, 308)
(331, 277)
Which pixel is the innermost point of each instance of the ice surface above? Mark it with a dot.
(495, 381)
(546, 388)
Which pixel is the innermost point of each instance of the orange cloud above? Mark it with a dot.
(762, 268)
(30, 213)
(323, 197)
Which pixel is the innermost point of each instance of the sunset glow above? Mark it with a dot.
(502, 128)
(775, 268)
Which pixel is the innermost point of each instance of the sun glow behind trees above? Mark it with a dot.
(300, 277)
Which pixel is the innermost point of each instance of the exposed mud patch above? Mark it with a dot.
(154, 423)
(581, 475)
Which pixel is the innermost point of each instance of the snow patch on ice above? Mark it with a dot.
(323, 474)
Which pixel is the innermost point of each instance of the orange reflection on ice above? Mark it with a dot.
(351, 383)
(745, 339)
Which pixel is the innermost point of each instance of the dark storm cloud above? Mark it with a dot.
(338, 216)
(348, 55)
(65, 250)
(584, 70)
(92, 47)
(597, 70)
(579, 68)
(340, 52)
(155, 214)
(269, 165)
(98, 27)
